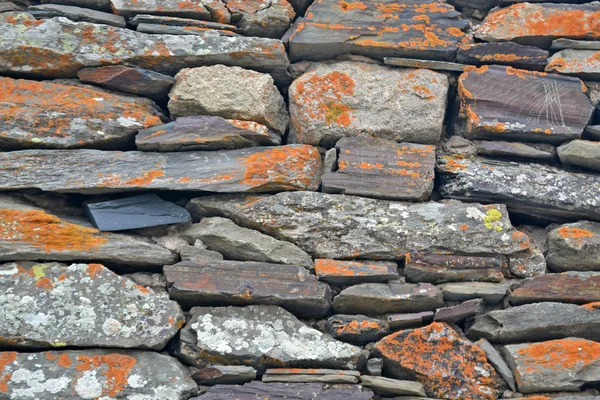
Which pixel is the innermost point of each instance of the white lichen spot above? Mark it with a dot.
(128, 122)
(88, 386)
(111, 327)
(136, 381)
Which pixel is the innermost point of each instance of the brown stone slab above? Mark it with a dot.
(534, 151)
(346, 273)
(242, 283)
(568, 287)
(295, 167)
(412, 320)
(459, 312)
(503, 53)
(382, 169)
(506, 103)
(450, 268)
(131, 80)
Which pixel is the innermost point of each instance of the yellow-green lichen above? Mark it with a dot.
(38, 270)
(491, 220)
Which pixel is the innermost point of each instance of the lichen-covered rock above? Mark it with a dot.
(82, 305)
(556, 365)
(268, 18)
(582, 63)
(348, 227)
(259, 336)
(32, 233)
(345, 273)
(382, 169)
(76, 14)
(58, 48)
(538, 321)
(447, 365)
(568, 287)
(581, 153)
(528, 263)
(185, 24)
(334, 100)
(229, 92)
(499, 102)
(551, 21)
(282, 391)
(503, 53)
(102, 5)
(94, 374)
(426, 29)
(356, 328)
(131, 80)
(294, 167)
(438, 268)
(203, 9)
(537, 190)
(47, 115)
(574, 247)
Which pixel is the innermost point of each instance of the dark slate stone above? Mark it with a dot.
(102, 5)
(442, 268)
(356, 328)
(516, 150)
(568, 287)
(460, 312)
(503, 53)
(134, 212)
(412, 320)
(223, 374)
(131, 80)
(279, 391)
(77, 14)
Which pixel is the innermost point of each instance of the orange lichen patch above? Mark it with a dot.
(249, 126)
(356, 327)
(452, 165)
(141, 289)
(281, 166)
(93, 270)
(423, 92)
(44, 283)
(6, 358)
(64, 360)
(356, 5)
(464, 227)
(328, 267)
(113, 180)
(523, 238)
(47, 232)
(115, 367)
(592, 306)
(576, 235)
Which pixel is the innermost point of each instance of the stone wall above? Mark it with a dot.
(271, 199)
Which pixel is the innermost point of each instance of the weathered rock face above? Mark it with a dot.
(447, 365)
(342, 227)
(76, 14)
(552, 21)
(506, 103)
(260, 336)
(229, 92)
(422, 29)
(503, 53)
(539, 190)
(88, 374)
(185, 24)
(498, 362)
(323, 375)
(84, 305)
(491, 293)
(539, 321)
(515, 150)
(581, 153)
(569, 287)
(282, 391)
(241, 283)
(391, 387)
(356, 328)
(528, 263)
(410, 320)
(574, 247)
(460, 312)
(204, 9)
(441, 268)
(102, 5)
(565, 364)
(32, 233)
(581, 63)
(382, 169)
(345, 273)
(269, 18)
(348, 98)
(295, 167)
(46, 115)
(223, 374)
(237, 243)
(130, 80)
(29, 46)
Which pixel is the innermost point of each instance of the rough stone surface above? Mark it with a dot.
(412, 320)
(179, 30)
(528, 263)
(88, 374)
(376, 29)
(564, 364)
(338, 227)
(491, 293)
(259, 336)
(164, 21)
(269, 18)
(295, 167)
(498, 362)
(459, 313)
(447, 365)
(102, 5)
(76, 14)
(382, 169)
(552, 21)
(229, 92)
(499, 102)
(582, 63)
(47, 115)
(393, 297)
(241, 283)
(516, 150)
(574, 247)
(307, 375)
(562, 44)
(203, 9)
(85, 305)
(334, 100)
(581, 153)
(441, 268)
(392, 387)
(427, 64)
(131, 80)
(282, 391)
(345, 273)
(538, 321)
(58, 48)
(568, 287)
(32, 233)
(238, 243)
(356, 329)
(537, 190)
(205, 132)
(223, 374)
(503, 53)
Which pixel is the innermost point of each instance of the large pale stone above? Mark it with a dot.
(574, 247)
(581, 153)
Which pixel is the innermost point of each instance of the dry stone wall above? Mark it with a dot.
(295, 199)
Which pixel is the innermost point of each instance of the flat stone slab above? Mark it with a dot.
(574, 247)
(205, 132)
(327, 226)
(163, 20)
(503, 53)
(537, 190)
(241, 283)
(76, 14)
(499, 102)
(441, 268)
(446, 364)
(203, 10)
(29, 46)
(223, 375)
(498, 363)
(429, 64)
(382, 169)
(391, 297)
(491, 293)
(134, 212)
(126, 79)
(568, 287)
(32, 233)
(536, 322)
(459, 313)
(410, 320)
(84, 305)
(552, 21)
(393, 387)
(356, 329)
(584, 64)
(516, 150)
(377, 29)
(345, 273)
(179, 30)
(307, 375)
(346, 99)
(294, 167)
(102, 5)
(581, 153)
(281, 391)
(562, 44)
(261, 337)
(556, 365)
(87, 374)
(48, 115)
